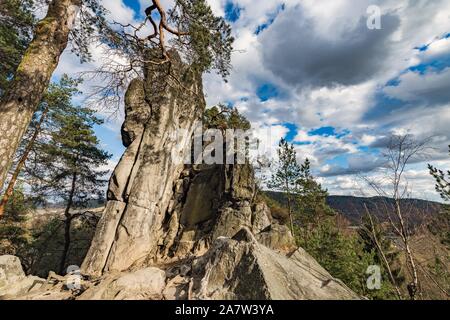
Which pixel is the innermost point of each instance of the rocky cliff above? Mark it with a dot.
(175, 231)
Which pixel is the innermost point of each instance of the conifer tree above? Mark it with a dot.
(14, 236)
(442, 181)
(56, 100)
(70, 167)
(310, 199)
(16, 26)
(345, 255)
(374, 239)
(286, 175)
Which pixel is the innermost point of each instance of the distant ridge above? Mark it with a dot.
(353, 209)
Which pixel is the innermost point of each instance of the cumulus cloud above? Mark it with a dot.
(118, 11)
(295, 51)
(431, 88)
(356, 164)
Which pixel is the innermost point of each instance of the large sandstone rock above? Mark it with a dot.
(277, 237)
(147, 284)
(141, 186)
(244, 269)
(10, 270)
(13, 281)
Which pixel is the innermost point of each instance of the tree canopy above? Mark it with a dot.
(16, 26)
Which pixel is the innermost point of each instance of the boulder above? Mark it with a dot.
(13, 281)
(277, 237)
(147, 284)
(10, 270)
(245, 269)
(261, 217)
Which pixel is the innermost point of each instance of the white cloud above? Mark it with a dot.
(118, 11)
(432, 87)
(367, 139)
(437, 49)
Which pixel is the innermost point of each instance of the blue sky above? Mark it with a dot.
(312, 72)
(135, 5)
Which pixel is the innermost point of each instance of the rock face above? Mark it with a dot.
(147, 284)
(142, 183)
(241, 268)
(175, 231)
(13, 281)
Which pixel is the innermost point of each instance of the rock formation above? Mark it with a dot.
(142, 184)
(175, 231)
(13, 280)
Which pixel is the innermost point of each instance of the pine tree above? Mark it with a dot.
(343, 254)
(16, 25)
(32, 76)
(286, 176)
(14, 236)
(311, 199)
(374, 239)
(223, 117)
(441, 225)
(56, 100)
(70, 165)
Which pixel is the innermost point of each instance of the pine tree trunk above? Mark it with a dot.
(21, 163)
(32, 78)
(67, 224)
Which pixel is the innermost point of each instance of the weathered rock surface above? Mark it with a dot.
(13, 281)
(142, 183)
(147, 284)
(247, 270)
(232, 269)
(174, 231)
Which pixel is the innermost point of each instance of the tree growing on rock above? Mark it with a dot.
(165, 94)
(223, 117)
(203, 40)
(188, 27)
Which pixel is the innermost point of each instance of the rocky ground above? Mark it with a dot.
(234, 268)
